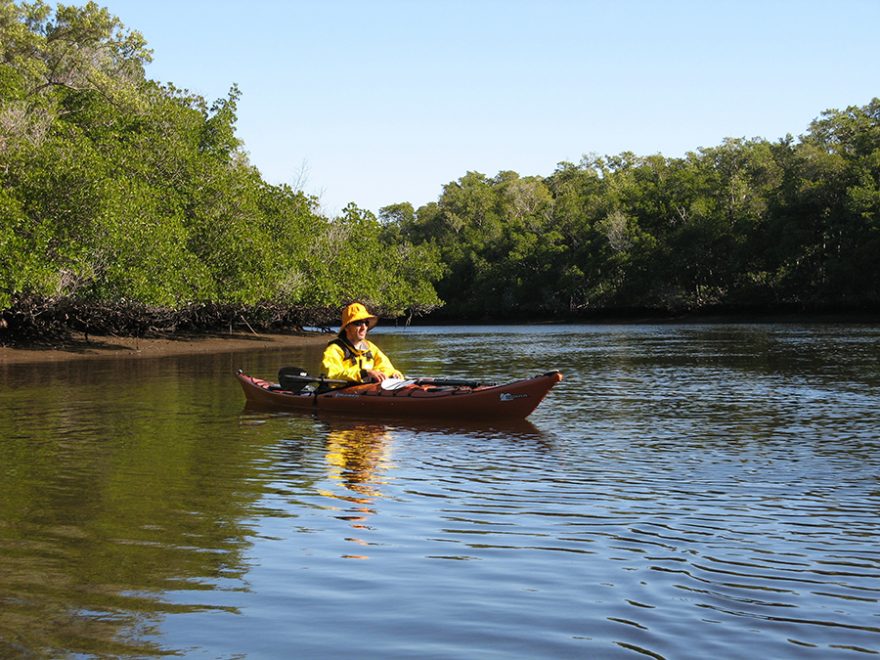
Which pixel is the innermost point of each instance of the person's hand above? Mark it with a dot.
(376, 376)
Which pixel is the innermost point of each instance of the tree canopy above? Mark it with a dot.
(115, 189)
(118, 193)
(747, 223)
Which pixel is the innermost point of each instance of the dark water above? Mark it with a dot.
(685, 492)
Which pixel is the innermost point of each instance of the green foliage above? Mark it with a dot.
(748, 222)
(357, 259)
(114, 188)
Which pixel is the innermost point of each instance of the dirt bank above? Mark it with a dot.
(79, 347)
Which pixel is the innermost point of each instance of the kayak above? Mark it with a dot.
(423, 397)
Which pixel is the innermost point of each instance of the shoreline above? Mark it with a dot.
(78, 347)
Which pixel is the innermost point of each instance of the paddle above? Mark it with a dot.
(289, 375)
(305, 378)
(450, 382)
(294, 379)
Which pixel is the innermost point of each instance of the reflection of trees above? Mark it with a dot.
(120, 486)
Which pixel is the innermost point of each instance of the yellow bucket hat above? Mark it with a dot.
(357, 312)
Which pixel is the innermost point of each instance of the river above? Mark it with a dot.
(687, 491)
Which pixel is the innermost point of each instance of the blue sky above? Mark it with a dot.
(385, 101)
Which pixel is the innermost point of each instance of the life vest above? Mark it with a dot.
(363, 361)
(348, 351)
(343, 361)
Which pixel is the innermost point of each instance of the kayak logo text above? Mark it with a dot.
(507, 396)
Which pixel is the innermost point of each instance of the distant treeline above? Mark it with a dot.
(130, 206)
(749, 224)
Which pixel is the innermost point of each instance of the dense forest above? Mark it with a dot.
(130, 206)
(747, 225)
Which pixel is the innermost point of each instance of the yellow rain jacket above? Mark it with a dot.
(345, 362)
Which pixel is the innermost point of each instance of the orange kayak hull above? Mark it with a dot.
(514, 400)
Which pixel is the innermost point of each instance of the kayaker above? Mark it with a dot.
(351, 356)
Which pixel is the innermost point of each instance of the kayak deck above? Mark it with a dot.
(513, 400)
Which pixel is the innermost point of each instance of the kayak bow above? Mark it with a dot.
(418, 398)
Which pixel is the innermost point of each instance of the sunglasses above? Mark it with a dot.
(363, 322)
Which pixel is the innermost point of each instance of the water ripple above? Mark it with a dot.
(685, 492)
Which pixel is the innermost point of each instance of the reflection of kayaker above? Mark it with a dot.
(358, 455)
(351, 356)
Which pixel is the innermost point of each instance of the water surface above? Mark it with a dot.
(686, 491)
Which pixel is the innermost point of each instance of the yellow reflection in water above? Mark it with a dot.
(358, 456)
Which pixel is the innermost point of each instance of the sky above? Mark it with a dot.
(378, 102)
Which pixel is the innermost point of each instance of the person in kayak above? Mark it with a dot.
(351, 356)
